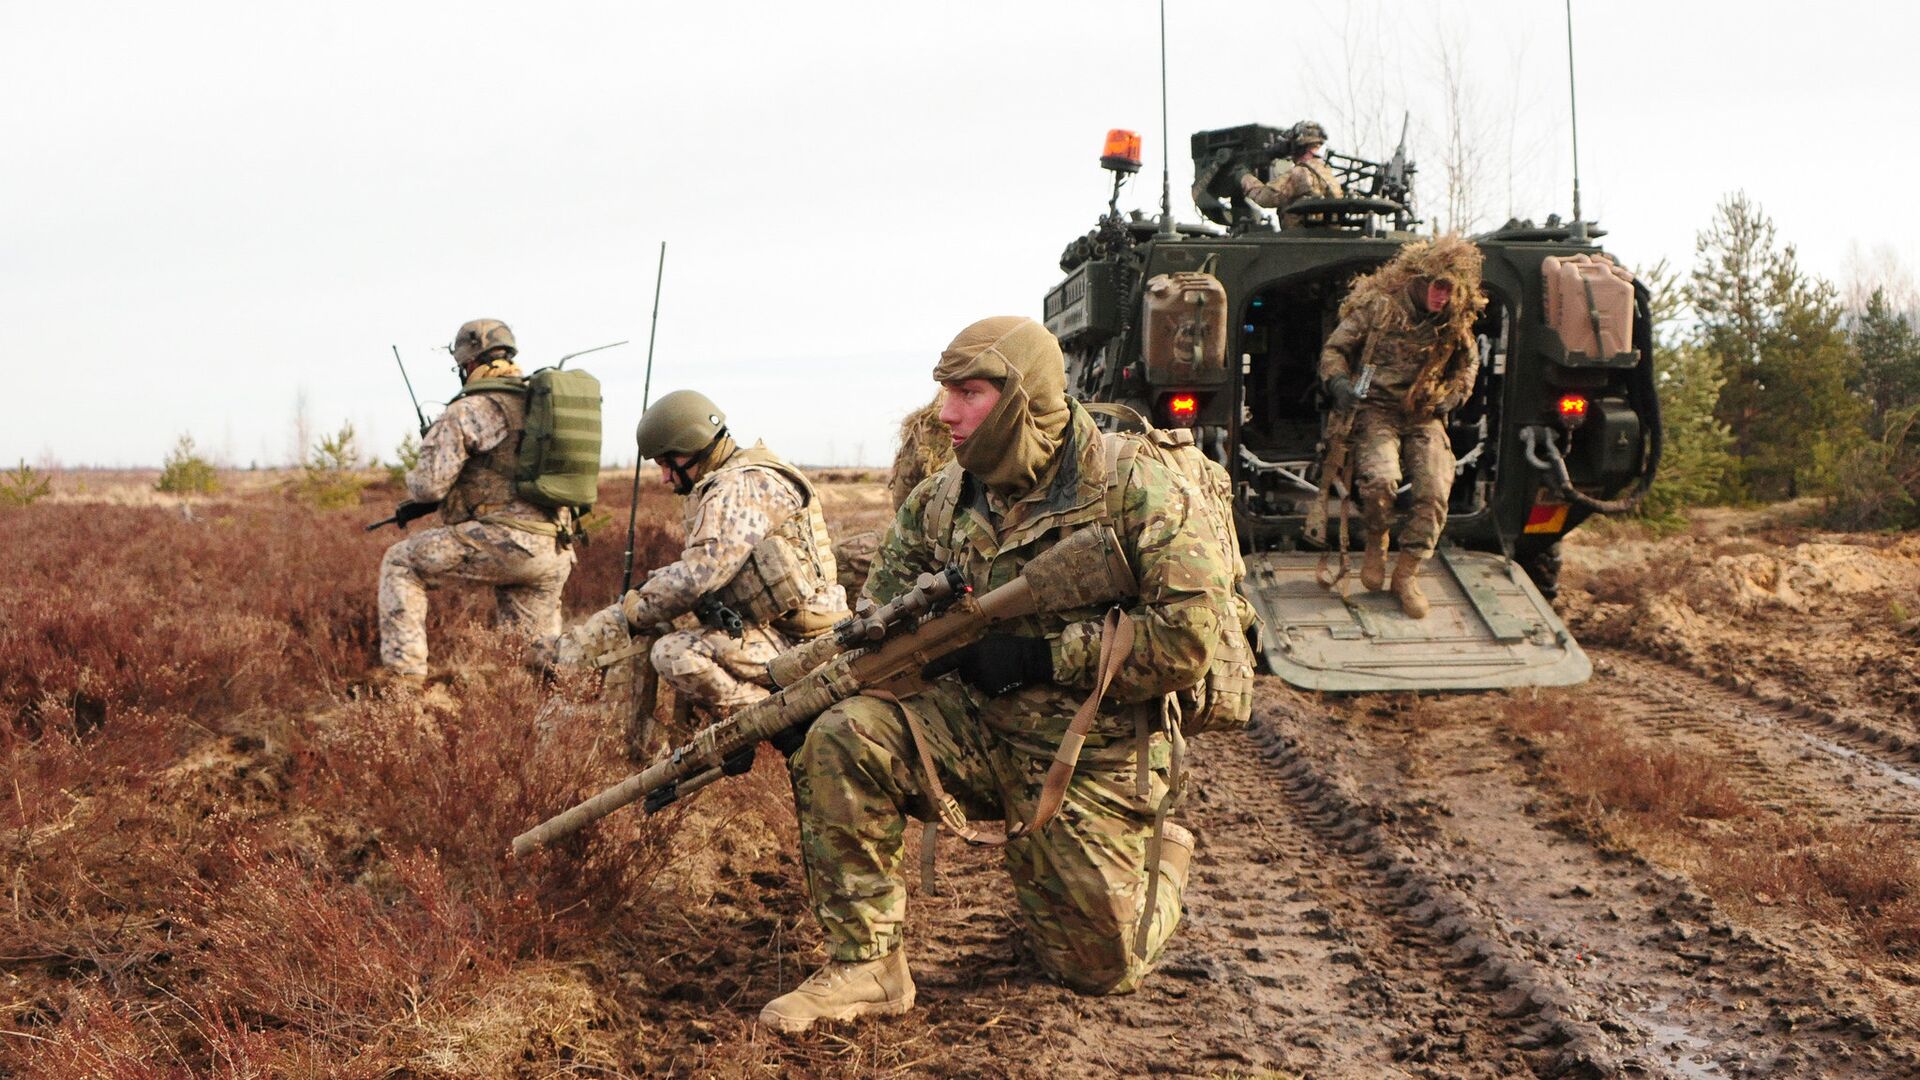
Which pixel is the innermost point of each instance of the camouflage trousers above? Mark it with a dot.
(1080, 881)
(1384, 444)
(711, 669)
(526, 570)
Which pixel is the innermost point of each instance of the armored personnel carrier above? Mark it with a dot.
(1217, 326)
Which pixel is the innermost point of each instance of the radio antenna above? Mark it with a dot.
(1166, 145)
(1579, 231)
(646, 395)
(646, 386)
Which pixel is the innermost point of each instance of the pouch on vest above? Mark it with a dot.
(776, 582)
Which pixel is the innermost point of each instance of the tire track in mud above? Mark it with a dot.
(1678, 988)
(1859, 770)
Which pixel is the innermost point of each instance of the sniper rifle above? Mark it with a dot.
(883, 650)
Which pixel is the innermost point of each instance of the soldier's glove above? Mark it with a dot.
(1340, 390)
(998, 663)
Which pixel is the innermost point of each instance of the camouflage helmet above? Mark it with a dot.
(683, 422)
(477, 339)
(1308, 133)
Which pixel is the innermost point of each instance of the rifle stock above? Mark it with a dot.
(1086, 569)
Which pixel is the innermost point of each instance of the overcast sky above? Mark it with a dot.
(215, 210)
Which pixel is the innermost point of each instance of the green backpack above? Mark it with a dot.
(558, 464)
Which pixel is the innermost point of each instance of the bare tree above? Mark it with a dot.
(1879, 270)
(1464, 131)
(302, 427)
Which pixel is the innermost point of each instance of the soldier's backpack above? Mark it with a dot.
(1223, 701)
(558, 462)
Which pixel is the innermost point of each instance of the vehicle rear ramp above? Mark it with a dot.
(1489, 628)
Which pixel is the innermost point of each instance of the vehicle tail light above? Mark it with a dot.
(1572, 409)
(1180, 409)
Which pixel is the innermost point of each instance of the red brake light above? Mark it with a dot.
(1572, 409)
(1182, 408)
(1122, 152)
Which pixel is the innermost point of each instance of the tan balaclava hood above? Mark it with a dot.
(1014, 443)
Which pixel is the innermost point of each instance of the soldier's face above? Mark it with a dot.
(1439, 294)
(965, 404)
(666, 463)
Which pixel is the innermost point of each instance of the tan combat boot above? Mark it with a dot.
(1406, 585)
(844, 990)
(1373, 572)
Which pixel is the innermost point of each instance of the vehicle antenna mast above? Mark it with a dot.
(1166, 147)
(1573, 107)
(646, 392)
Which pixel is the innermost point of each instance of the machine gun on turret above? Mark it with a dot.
(1222, 156)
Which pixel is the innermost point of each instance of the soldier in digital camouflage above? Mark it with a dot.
(488, 534)
(1304, 177)
(1030, 468)
(1411, 321)
(746, 511)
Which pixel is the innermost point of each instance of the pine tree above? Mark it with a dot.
(1889, 360)
(1776, 334)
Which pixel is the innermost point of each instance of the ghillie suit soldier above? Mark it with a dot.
(1030, 468)
(1406, 338)
(758, 566)
(489, 534)
(1305, 177)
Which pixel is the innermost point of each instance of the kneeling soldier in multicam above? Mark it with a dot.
(1030, 468)
(1411, 321)
(489, 534)
(758, 563)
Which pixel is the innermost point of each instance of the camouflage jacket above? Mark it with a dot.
(1398, 341)
(467, 458)
(1162, 532)
(1311, 178)
(729, 511)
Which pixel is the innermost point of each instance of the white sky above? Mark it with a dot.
(208, 210)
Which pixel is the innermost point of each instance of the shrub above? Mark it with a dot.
(185, 472)
(1877, 485)
(23, 486)
(331, 476)
(405, 457)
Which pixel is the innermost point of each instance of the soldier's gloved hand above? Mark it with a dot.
(1340, 389)
(998, 663)
(1451, 398)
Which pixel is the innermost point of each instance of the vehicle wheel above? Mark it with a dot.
(1543, 567)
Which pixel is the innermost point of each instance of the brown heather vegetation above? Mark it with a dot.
(218, 861)
(1663, 797)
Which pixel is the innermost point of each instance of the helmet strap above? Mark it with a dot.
(682, 478)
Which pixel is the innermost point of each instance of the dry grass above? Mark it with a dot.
(215, 861)
(1863, 882)
(1596, 761)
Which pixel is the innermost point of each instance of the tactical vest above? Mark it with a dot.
(1223, 699)
(784, 576)
(484, 487)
